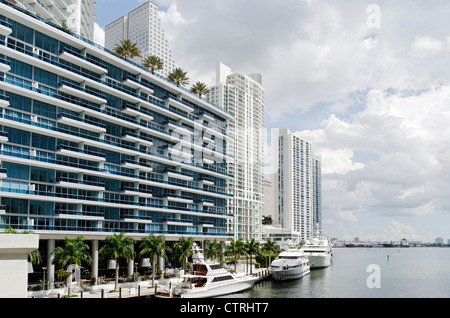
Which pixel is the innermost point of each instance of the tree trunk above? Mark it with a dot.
(154, 268)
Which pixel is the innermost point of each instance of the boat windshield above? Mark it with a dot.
(287, 257)
(200, 269)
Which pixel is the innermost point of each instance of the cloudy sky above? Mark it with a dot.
(369, 84)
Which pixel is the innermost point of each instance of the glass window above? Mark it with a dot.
(41, 207)
(44, 142)
(17, 136)
(44, 109)
(16, 171)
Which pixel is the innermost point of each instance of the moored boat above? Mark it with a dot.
(290, 264)
(319, 251)
(208, 279)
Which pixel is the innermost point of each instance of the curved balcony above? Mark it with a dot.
(80, 153)
(130, 164)
(80, 123)
(135, 138)
(3, 137)
(79, 184)
(75, 58)
(135, 84)
(4, 101)
(79, 215)
(3, 173)
(136, 192)
(5, 65)
(5, 28)
(136, 112)
(86, 94)
(179, 105)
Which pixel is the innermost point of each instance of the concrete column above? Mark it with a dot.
(94, 264)
(131, 265)
(50, 266)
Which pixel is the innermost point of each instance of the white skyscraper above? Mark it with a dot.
(143, 27)
(293, 187)
(77, 15)
(243, 97)
(317, 192)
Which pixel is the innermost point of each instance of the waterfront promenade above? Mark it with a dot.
(126, 290)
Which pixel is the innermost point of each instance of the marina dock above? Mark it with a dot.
(130, 290)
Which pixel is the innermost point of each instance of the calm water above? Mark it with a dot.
(409, 273)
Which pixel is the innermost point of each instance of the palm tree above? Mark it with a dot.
(35, 257)
(61, 274)
(235, 248)
(117, 247)
(153, 63)
(178, 76)
(183, 249)
(213, 250)
(152, 246)
(252, 247)
(270, 247)
(75, 251)
(127, 49)
(200, 89)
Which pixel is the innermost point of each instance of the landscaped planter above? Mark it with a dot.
(14, 250)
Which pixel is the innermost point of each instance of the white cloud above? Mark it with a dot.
(172, 16)
(380, 91)
(426, 45)
(99, 35)
(399, 231)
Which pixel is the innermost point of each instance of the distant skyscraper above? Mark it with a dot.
(243, 97)
(295, 194)
(317, 192)
(267, 197)
(76, 15)
(143, 27)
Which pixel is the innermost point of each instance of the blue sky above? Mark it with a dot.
(368, 84)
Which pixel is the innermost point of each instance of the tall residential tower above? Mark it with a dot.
(294, 188)
(143, 27)
(76, 15)
(243, 97)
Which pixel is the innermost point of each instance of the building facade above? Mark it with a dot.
(143, 27)
(76, 15)
(92, 144)
(243, 97)
(317, 192)
(267, 196)
(293, 188)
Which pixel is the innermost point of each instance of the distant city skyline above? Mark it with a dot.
(368, 83)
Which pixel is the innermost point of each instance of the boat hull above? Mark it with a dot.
(221, 290)
(290, 274)
(319, 261)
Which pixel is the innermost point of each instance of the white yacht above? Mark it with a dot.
(290, 264)
(208, 280)
(319, 251)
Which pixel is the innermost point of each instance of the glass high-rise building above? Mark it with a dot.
(143, 27)
(243, 97)
(92, 144)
